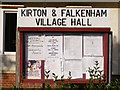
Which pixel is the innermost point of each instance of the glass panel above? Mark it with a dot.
(10, 32)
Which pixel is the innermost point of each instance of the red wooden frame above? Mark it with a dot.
(105, 31)
(66, 29)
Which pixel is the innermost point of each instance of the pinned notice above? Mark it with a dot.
(73, 46)
(93, 45)
(34, 46)
(53, 45)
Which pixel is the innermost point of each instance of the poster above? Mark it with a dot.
(93, 45)
(33, 69)
(34, 46)
(72, 46)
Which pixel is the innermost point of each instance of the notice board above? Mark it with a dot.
(63, 40)
(62, 52)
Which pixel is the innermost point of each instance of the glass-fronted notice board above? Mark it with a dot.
(62, 52)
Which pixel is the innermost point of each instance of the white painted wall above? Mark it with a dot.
(114, 29)
(119, 40)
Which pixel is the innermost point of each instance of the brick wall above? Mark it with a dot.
(30, 85)
(8, 80)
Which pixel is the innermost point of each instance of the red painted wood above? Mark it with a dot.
(82, 46)
(84, 76)
(105, 53)
(42, 69)
(21, 55)
(66, 29)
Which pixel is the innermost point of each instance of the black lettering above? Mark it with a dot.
(42, 22)
(92, 13)
(29, 12)
(37, 21)
(103, 13)
(54, 13)
(54, 22)
(48, 22)
(23, 12)
(73, 22)
(44, 12)
(71, 14)
(88, 22)
(82, 13)
(34, 11)
(59, 22)
(83, 23)
(78, 22)
(88, 13)
(97, 13)
(39, 12)
(64, 22)
(68, 13)
(62, 12)
(77, 13)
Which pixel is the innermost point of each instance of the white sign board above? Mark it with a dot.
(63, 17)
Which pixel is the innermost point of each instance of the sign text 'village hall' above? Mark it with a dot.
(56, 17)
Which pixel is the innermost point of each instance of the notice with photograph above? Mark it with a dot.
(33, 69)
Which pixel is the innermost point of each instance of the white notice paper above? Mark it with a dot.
(53, 45)
(75, 67)
(90, 62)
(54, 66)
(73, 46)
(34, 46)
(93, 45)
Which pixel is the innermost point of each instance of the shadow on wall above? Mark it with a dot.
(0, 63)
(119, 37)
(115, 57)
(8, 63)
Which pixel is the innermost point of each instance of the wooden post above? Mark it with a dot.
(43, 72)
